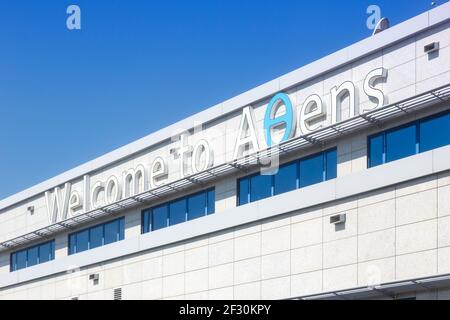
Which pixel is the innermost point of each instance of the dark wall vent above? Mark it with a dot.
(118, 294)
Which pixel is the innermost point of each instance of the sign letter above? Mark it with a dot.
(311, 111)
(247, 133)
(369, 89)
(286, 120)
(57, 207)
(337, 94)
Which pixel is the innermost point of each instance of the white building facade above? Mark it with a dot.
(330, 182)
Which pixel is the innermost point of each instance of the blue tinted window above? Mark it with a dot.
(82, 241)
(331, 165)
(244, 192)
(72, 243)
(21, 260)
(96, 237)
(46, 252)
(160, 215)
(112, 231)
(260, 187)
(196, 205)
(376, 150)
(146, 220)
(298, 174)
(311, 171)
(420, 136)
(121, 229)
(33, 256)
(286, 179)
(435, 133)
(211, 198)
(177, 212)
(400, 143)
(13, 266)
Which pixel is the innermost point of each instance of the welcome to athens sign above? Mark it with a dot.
(63, 203)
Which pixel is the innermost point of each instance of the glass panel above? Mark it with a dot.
(82, 241)
(376, 149)
(196, 206)
(96, 237)
(311, 171)
(211, 201)
(13, 266)
(146, 221)
(46, 252)
(72, 243)
(111, 232)
(33, 256)
(121, 228)
(52, 250)
(260, 187)
(21, 259)
(286, 179)
(160, 217)
(435, 133)
(331, 164)
(177, 213)
(243, 191)
(400, 143)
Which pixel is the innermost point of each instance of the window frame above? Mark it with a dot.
(312, 156)
(438, 115)
(323, 153)
(13, 255)
(418, 143)
(147, 217)
(88, 230)
(414, 126)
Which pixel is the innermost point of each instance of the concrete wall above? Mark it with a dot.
(396, 233)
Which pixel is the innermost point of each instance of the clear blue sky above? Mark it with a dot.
(67, 97)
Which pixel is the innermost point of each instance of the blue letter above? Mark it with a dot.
(286, 119)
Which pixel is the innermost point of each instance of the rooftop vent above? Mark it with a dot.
(382, 25)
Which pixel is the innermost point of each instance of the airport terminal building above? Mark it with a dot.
(330, 182)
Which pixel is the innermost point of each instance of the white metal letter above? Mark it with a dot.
(112, 190)
(247, 133)
(157, 172)
(57, 207)
(74, 203)
(202, 147)
(311, 110)
(337, 94)
(369, 89)
(96, 190)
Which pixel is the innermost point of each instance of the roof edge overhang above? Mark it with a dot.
(390, 290)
